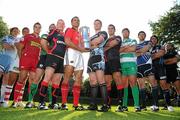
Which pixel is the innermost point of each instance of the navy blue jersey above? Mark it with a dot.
(145, 58)
(156, 49)
(170, 54)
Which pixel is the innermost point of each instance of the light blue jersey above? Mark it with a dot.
(11, 41)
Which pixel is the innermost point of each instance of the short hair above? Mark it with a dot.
(141, 32)
(25, 28)
(125, 29)
(155, 37)
(13, 28)
(37, 23)
(74, 18)
(111, 25)
(98, 21)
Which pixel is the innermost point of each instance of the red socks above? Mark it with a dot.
(64, 92)
(76, 94)
(17, 91)
(120, 87)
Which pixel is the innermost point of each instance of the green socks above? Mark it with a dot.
(50, 93)
(125, 97)
(135, 93)
(33, 90)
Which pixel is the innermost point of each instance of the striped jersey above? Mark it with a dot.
(146, 57)
(130, 56)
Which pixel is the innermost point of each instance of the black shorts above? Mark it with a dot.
(172, 75)
(145, 70)
(96, 63)
(159, 72)
(55, 62)
(42, 62)
(112, 66)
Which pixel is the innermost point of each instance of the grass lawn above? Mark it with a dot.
(34, 114)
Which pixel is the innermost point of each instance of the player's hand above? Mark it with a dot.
(84, 50)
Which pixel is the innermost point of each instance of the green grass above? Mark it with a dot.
(34, 114)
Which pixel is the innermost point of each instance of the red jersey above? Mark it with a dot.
(73, 35)
(32, 46)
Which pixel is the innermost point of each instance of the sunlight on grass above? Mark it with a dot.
(34, 114)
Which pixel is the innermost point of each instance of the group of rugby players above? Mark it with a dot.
(56, 57)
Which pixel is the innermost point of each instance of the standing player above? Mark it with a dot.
(145, 69)
(40, 72)
(13, 75)
(129, 69)
(9, 49)
(29, 55)
(74, 64)
(158, 52)
(171, 58)
(96, 67)
(54, 64)
(112, 64)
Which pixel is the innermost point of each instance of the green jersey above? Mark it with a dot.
(130, 56)
(44, 36)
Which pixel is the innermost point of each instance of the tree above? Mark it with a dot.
(3, 28)
(167, 28)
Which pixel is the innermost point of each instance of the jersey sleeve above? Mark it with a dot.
(44, 36)
(118, 39)
(5, 40)
(24, 39)
(104, 34)
(134, 42)
(68, 33)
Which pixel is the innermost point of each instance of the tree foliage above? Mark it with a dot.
(3, 28)
(167, 28)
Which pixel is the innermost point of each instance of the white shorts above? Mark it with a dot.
(74, 58)
(14, 67)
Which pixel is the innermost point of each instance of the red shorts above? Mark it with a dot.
(27, 63)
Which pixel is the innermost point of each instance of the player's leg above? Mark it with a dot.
(77, 89)
(94, 91)
(108, 79)
(56, 79)
(49, 72)
(68, 72)
(155, 91)
(142, 93)
(19, 85)
(3, 86)
(12, 79)
(132, 73)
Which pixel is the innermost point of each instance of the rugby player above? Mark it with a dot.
(74, 64)
(40, 72)
(29, 50)
(145, 70)
(96, 67)
(129, 69)
(157, 53)
(9, 48)
(112, 64)
(171, 58)
(54, 64)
